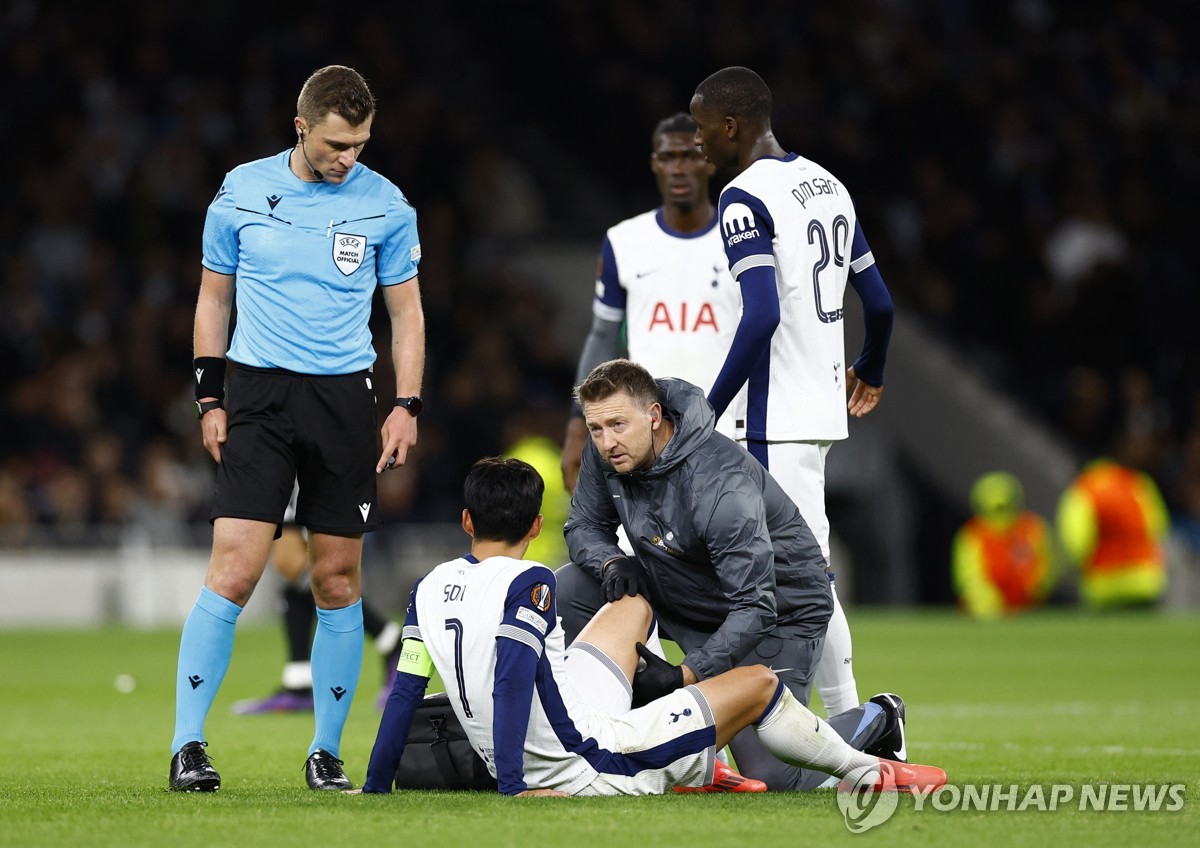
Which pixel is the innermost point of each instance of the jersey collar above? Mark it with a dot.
(662, 225)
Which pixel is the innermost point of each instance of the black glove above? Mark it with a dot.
(654, 678)
(620, 578)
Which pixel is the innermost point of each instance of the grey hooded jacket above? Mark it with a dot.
(724, 550)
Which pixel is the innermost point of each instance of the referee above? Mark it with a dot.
(300, 239)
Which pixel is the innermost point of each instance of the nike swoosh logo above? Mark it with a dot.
(902, 754)
(641, 274)
(778, 670)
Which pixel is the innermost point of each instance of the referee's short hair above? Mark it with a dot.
(338, 89)
(737, 92)
(504, 497)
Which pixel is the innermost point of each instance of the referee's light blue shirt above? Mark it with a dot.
(307, 257)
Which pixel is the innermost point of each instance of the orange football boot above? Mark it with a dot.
(726, 779)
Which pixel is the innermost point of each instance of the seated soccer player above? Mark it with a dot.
(553, 721)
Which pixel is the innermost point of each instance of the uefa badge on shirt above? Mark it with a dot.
(348, 252)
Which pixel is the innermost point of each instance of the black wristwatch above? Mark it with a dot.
(204, 406)
(414, 405)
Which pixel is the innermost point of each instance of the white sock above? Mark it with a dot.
(795, 735)
(834, 678)
(654, 643)
(389, 638)
(297, 675)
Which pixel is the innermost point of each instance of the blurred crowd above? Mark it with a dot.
(1023, 169)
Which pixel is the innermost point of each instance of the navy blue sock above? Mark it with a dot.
(337, 656)
(205, 648)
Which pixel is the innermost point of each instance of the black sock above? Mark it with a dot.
(299, 610)
(373, 622)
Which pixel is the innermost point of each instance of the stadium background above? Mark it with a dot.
(1024, 169)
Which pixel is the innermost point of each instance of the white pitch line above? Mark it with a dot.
(1120, 709)
(1091, 750)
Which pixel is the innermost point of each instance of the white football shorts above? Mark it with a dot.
(667, 743)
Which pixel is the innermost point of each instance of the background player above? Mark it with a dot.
(307, 235)
(549, 721)
(663, 276)
(792, 241)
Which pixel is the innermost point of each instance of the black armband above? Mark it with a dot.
(209, 372)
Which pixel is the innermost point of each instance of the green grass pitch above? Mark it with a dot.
(1058, 697)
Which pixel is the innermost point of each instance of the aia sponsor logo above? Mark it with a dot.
(681, 319)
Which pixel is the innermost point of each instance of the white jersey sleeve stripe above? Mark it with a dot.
(762, 260)
(606, 312)
(508, 631)
(863, 262)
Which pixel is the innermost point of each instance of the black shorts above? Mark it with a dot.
(287, 428)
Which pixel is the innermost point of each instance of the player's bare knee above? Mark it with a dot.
(770, 680)
(764, 682)
(636, 605)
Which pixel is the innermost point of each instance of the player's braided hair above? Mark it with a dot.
(338, 89)
(738, 92)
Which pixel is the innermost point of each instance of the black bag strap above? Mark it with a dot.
(441, 752)
(445, 765)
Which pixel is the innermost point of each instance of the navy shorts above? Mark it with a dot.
(315, 430)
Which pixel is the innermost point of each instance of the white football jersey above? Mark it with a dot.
(459, 610)
(794, 215)
(674, 291)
